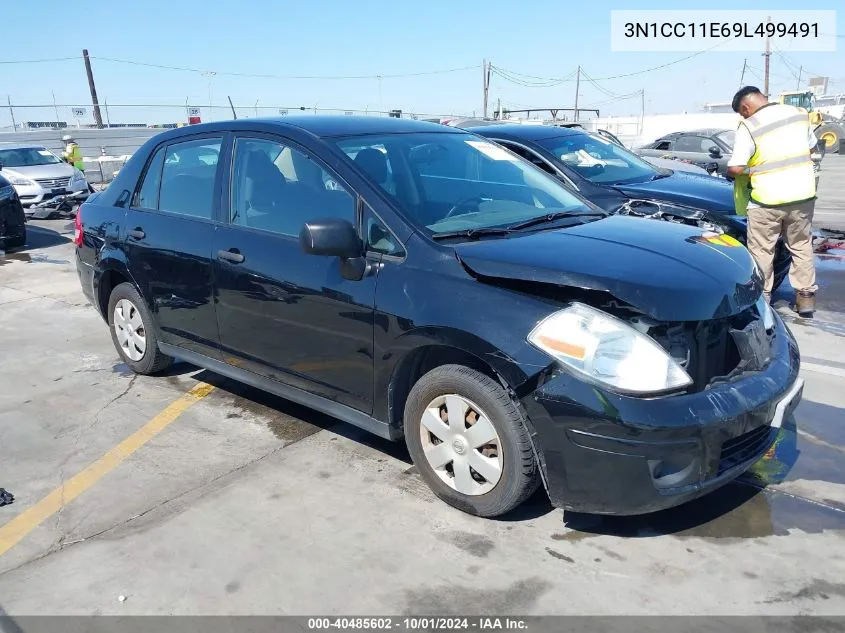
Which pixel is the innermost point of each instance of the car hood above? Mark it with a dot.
(695, 190)
(56, 170)
(668, 271)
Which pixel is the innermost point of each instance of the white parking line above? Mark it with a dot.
(823, 369)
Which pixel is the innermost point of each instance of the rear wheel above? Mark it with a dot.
(831, 135)
(468, 440)
(16, 242)
(133, 332)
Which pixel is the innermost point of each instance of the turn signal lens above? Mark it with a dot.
(607, 350)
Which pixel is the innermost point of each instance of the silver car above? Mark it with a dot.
(37, 174)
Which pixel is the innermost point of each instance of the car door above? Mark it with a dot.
(282, 313)
(169, 233)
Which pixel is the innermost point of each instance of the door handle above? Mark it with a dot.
(137, 233)
(231, 255)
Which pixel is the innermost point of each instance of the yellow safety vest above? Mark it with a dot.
(781, 170)
(74, 156)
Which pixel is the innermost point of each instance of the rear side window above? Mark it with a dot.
(147, 195)
(663, 145)
(187, 178)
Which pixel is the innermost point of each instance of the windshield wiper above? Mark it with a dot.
(551, 217)
(473, 233)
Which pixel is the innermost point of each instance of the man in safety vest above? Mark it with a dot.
(72, 153)
(772, 147)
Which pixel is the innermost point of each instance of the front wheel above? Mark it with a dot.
(468, 440)
(133, 332)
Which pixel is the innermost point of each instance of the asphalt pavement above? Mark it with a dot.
(190, 494)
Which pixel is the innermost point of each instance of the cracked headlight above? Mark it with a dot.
(607, 350)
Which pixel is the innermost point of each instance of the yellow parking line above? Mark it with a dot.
(12, 532)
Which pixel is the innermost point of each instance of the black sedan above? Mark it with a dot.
(424, 283)
(619, 181)
(12, 219)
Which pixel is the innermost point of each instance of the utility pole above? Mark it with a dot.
(577, 89)
(767, 54)
(642, 111)
(499, 106)
(742, 76)
(55, 107)
(485, 78)
(98, 119)
(798, 85)
(12, 114)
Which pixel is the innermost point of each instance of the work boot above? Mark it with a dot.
(805, 303)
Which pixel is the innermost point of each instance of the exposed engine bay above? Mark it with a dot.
(670, 212)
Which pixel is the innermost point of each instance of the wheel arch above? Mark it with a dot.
(439, 351)
(111, 273)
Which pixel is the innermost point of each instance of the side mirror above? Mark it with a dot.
(715, 152)
(331, 236)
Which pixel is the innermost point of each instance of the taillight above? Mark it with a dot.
(77, 227)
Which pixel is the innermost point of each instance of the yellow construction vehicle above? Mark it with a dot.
(826, 128)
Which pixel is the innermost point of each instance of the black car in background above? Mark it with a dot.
(699, 147)
(619, 181)
(422, 282)
(12, 219)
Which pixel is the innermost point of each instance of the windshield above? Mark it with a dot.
(727, 137)
(27, 157)
(449, 182)
(598, 160)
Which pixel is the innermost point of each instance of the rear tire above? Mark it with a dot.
(133, 331)
(507, 469)
(831, 134)
(16, 242)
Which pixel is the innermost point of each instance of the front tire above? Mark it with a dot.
(133, 331)
(468, 440)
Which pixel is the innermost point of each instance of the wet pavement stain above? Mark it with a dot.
(28, 258)
(735, 512)
(233, 586)
(447, 599)
(475, 544)
(816, 590)
(122, 369)
(558, 555)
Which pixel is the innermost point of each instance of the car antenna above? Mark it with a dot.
(234, 114)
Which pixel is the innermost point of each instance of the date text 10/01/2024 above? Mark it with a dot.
(418, 623)
(720, 29)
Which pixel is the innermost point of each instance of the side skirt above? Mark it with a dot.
(318, 403)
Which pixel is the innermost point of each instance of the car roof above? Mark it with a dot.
(527, 132)
(706, 131)
(21, 145)
(323, 126)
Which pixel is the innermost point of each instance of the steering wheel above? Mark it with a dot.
(463, 203)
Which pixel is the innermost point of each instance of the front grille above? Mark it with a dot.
(53, 183)
(746, 447)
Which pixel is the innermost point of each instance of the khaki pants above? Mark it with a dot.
(795, 223)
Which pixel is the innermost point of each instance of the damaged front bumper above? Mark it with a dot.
(607, 453)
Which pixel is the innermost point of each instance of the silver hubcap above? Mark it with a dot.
(461, 445)
(129, 329)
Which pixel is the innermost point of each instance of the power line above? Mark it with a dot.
(38, 61)
(608, 92)
(271, 76)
